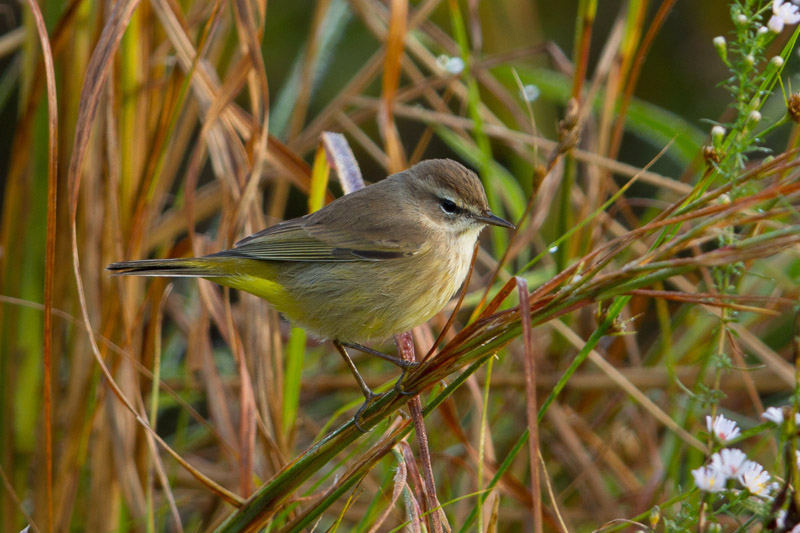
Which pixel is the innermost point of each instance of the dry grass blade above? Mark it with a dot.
(391, 77)
(90, 98)
(531, 403)
(52, 188)
(343, 161)
(95, 78)
(400, 483)
(10, 491)
(309, 61)
(633, 77)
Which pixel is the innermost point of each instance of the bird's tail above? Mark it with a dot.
(196, 267)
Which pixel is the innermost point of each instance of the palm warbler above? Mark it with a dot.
(371, 264)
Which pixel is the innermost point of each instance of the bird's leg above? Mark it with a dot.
(402, 363)
(369, 396)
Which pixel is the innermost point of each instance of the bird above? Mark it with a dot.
(371, 264)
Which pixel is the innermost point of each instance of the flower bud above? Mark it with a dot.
(753, 119)
(717, 135)
(721, 47)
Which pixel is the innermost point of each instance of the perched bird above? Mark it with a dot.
(373, 263)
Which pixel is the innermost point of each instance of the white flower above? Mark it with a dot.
(530, 93)
(754, 478)
(453, 65)
(780, 519)
(773, 414)
(783, 13)
(729, 461)
(709, 479)
(776, 61)
(722, 428)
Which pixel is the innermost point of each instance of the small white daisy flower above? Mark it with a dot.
(755, 479)
(709, 479)
(729, 461)
(783, 13)
(773, 414)
(722, 428)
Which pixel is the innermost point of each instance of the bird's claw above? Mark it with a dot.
(370, 397)
(368, 400)
(398, 384)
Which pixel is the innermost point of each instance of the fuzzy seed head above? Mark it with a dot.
(793, 107)
(711, 155)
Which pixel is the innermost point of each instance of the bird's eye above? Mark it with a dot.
(448, 206)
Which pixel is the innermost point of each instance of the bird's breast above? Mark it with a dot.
(370, 300)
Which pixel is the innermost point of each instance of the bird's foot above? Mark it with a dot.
(368, 400)
(398, 386)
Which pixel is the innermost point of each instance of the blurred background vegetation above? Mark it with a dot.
(175, 161)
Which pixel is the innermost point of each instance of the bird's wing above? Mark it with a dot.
(323, 238)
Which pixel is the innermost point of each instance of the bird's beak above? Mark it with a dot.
(488, 218)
